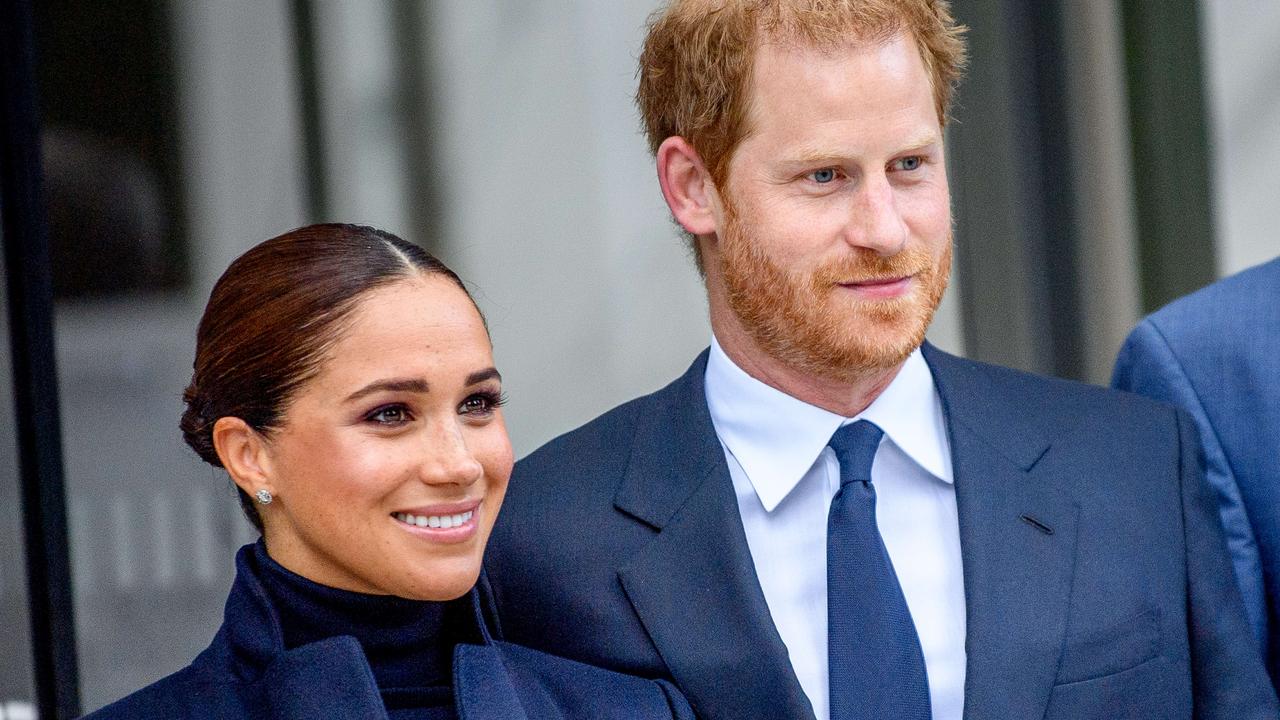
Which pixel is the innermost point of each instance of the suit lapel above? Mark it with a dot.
(694, 585)
(1017, 538)
(695, 590)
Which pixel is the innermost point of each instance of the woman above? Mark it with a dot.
(344, 379)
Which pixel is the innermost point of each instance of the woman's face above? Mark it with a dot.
(390, 465)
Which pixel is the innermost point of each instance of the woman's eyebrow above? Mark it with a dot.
(415, 385)
(482, 375)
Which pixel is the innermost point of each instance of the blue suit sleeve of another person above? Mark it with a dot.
(1147, 365)
(1220, 657)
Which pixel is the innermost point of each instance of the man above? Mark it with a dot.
(1216, 353)
(822, 518)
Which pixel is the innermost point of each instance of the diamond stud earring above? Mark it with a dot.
(264, 496)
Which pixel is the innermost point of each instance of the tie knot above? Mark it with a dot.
(855, 446)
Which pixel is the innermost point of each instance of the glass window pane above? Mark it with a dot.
(152, 530)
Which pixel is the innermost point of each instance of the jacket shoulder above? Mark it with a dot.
(1248, 297)
(1026, 396)
(1220, 340)
(571, 481)
(593, 447)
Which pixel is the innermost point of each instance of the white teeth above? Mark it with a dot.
(435, 521)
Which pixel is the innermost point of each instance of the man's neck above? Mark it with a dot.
(842, 397)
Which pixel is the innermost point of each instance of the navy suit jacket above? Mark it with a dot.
(247, 673)
(620, 544)
(1216, 353)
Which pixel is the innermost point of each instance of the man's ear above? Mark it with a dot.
(687, 186)
(243, 452)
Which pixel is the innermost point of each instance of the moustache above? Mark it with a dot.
(867, 266)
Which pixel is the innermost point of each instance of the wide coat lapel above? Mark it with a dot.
(482, 686)
(329, 678)
(325, 679)
(1017, 536)
(694, 586)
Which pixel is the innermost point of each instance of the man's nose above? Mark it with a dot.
(875, 222)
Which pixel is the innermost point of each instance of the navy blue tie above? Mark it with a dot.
(875, 664)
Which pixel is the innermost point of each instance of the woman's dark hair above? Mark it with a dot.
(274, 314)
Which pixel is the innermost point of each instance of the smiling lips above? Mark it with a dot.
(435, 521)
(448, 524)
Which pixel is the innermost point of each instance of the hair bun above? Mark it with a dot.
(197, 426)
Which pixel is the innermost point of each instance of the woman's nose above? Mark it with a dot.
(447, 459)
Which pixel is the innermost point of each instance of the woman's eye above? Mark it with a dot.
(481, 404)
(911, 162)
(390, 415)
(823, 176)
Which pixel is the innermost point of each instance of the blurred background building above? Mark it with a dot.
(1107, 156)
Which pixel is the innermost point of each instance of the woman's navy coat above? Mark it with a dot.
(247, 673)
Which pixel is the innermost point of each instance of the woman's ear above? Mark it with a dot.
(243, 452)
(687, 186)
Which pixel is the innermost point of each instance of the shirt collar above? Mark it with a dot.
(776, 438)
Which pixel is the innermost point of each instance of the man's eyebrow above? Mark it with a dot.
(923, 142)
(415, 385)
(481, 375)
(821, 156)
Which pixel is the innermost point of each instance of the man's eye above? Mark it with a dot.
(911, 162)
(823, 176)
(390, 415)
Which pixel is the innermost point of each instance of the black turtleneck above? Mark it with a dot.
(407, 642)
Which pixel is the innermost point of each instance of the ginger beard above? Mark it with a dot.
(804, 319)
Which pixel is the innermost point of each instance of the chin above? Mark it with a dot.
(853, 347)
(440, 581)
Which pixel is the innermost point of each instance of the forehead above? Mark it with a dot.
(420, 325)
(861, 87)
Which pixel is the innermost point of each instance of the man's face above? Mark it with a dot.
(835, 236)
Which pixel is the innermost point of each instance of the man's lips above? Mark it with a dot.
(881, 287)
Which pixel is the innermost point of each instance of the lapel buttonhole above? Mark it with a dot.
(1037, 524)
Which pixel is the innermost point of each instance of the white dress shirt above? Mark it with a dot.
(785, 477)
